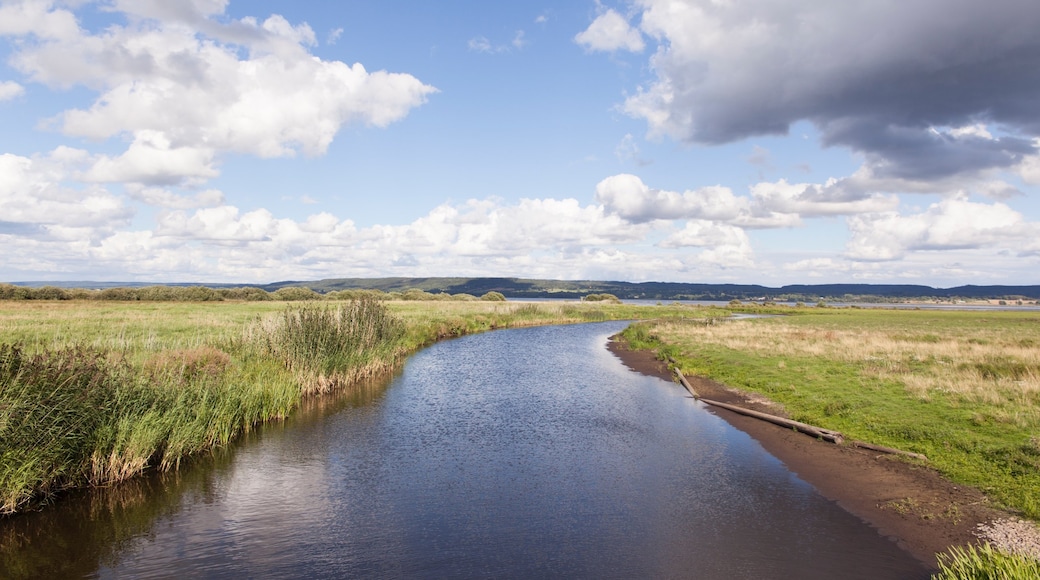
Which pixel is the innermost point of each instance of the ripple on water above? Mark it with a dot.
(517, 453)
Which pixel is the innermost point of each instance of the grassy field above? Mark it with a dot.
(93, 392)
(961, 387)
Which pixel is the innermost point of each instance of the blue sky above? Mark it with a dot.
(758, 141)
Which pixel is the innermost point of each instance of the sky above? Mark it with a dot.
(763, 142)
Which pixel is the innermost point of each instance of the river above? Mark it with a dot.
(511, 454)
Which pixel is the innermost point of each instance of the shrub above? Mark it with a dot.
(12, 292)
(417, 294)
(356, 294)
(493, 297)
(601, 298)
(50, 293)
(198, 294)
(295, 293)
(119, 294)
(245, 293)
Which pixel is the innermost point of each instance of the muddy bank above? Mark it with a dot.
(905, 501)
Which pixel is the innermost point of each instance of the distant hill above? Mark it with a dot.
(532, 288)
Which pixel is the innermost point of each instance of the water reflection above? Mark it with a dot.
(511, 454)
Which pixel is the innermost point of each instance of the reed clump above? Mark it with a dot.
(79, 416)
(331, 347)
(53, 405)
(985, 563)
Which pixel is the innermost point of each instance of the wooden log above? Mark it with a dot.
(686, 383)
(820, 433)
(826, 434)
(890, 450)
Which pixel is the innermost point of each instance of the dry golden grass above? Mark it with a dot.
(990, 366)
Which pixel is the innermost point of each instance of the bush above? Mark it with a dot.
(245, 293)
(493, 297)
(119, 294)
(601, 298)
(295, 293)
(417, 295)
(12, 292)
(50, 293)
(356, 294)
(198, 294)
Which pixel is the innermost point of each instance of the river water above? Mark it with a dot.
(512, 454)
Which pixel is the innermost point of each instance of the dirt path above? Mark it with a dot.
(905, 501)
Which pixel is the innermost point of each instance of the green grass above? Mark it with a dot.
(985, 563)
(961, 387)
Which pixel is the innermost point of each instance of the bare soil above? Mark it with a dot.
(904, 499)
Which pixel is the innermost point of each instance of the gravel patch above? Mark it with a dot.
(1012, 535)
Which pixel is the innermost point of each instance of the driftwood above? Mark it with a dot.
(818, 432)
(891, 450)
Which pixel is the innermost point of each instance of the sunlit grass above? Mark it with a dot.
(961, 387)
(986, 563)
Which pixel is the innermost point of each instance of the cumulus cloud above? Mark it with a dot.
(10, 90)
(610, 32)
(39, 208)
(186, 94)
(770, 205)
(886, 79)
(627, 196)
(952, 224)
(727, 245)
(813, 200)
(151, 158)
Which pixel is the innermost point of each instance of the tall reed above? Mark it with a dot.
(986, 563)
(331, 347)
(53, 405)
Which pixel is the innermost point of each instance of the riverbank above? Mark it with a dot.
(906, 501)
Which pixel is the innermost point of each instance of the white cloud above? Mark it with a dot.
(10, 90)
(610, 32)
(33, 192)
(188, 94)
(812, 200)
(151, 159)
(37, 17)
(627, 196)
(952, 224)
(727, 246)
(480, 44)
(484, 45)
(1029, 169)
(772, 205)
(164, 198)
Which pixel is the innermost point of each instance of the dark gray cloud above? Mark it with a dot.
(878, 77)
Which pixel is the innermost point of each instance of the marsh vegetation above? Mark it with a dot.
(94, 392)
